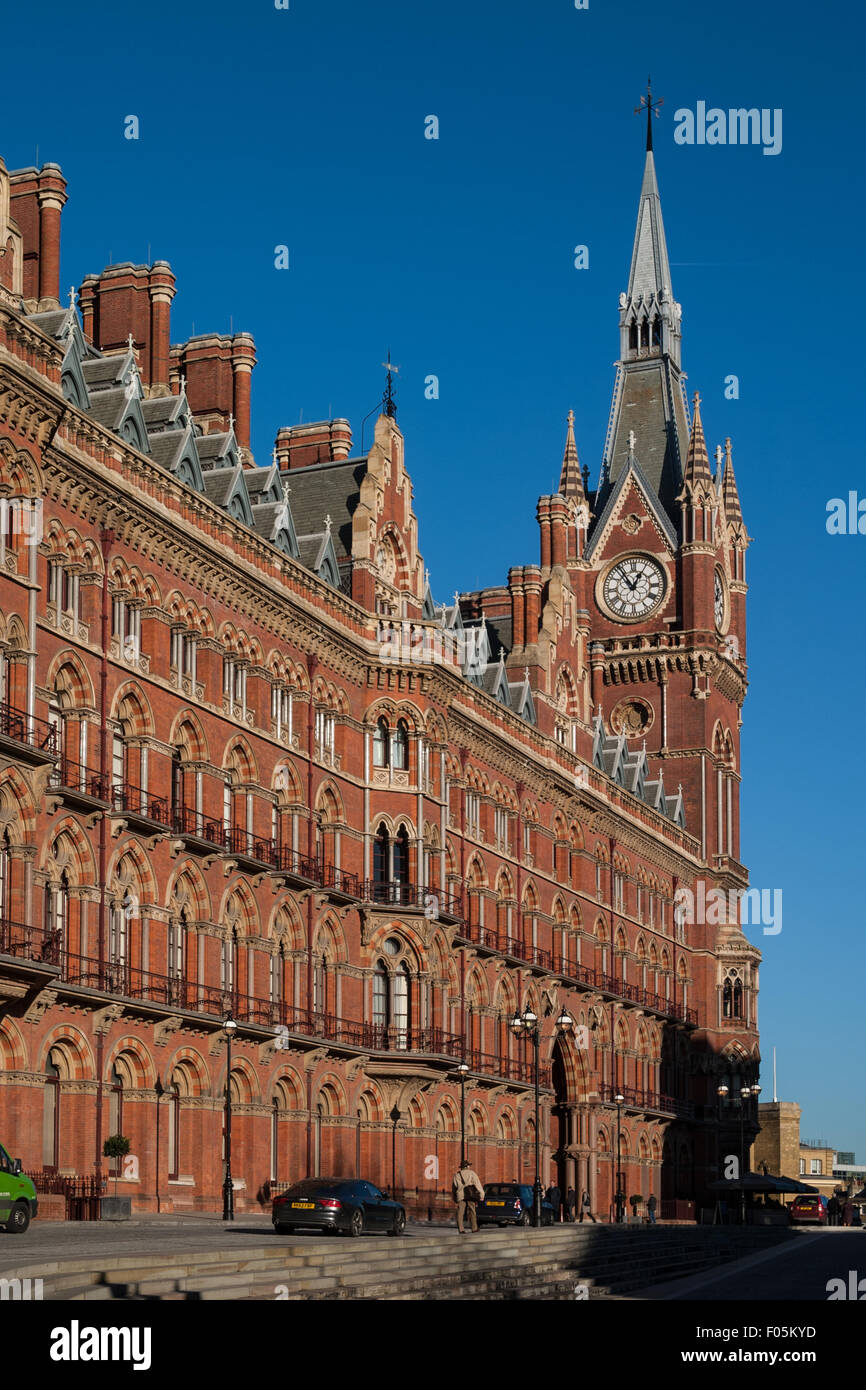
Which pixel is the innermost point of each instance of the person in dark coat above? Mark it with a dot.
(833, 1211)
(847, 1212)
(651, 1208)
(554, 1197)
(570, 1202)
(586, 1207)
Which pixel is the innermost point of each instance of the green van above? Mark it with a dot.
(17, 1196)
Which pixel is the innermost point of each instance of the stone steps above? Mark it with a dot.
(511, 1264)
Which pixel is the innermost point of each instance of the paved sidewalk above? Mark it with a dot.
(799, 1269)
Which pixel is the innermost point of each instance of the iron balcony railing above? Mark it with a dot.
(120, 977)
(290, 861)
(28, 942)
(186, 821)
(637, 1099)
(135, 801)
(341, 880)
(78, 777)
(412, 897)
(249, 846)
(506, 945)
(27, 729)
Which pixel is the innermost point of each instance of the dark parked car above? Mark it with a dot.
(337, 1204)
(510, 1204)
(808, 1209)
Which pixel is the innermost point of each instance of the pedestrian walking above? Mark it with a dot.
(847, 1212)
(651, 1209)
(833, 1210)
(586, 1207)
(467, 1191)
(554, 1197)
(570, 1203)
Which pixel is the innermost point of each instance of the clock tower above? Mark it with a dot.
(664, 584)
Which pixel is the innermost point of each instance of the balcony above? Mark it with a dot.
(79, 785)
(613, 986)
(29, 957)
(252, 852)
(410, 897)
(26, 738)
(299, 870)
(500, 943)
(340, 885)
(142, 811)
(198, 834)
(520, 1069)
(655, 1101)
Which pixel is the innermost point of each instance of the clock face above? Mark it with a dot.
(633, 587)
(719, 603)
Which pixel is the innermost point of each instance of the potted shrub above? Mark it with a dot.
(116, 1208)
(635, 1201)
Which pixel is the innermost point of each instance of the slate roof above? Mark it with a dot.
(166, 446)
(218, 484)
(50, 321)
(162, 410)
(326, 489)
(102, 372)
(109, 407)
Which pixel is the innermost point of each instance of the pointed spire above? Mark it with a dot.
(730, 495)
(570, 480)
(697, 471)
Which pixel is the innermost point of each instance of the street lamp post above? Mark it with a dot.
(620, 1195)
(740, 1101)
(394, 1117)
(230, 1027)
(525, 1025)
(461, 1072)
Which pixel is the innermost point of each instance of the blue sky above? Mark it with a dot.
(305, 127)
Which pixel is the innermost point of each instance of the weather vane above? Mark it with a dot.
(388, 396)
(652, 109)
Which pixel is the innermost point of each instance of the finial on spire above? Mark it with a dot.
(274, 458)
(388, 403)
(652, 109)
(72, 296)
(719, 455)
(697, 402)
(631, 443)
(328, 524)
(286, 491)
(231, 423)
(526, 674)
(130, 343)
(182, 384)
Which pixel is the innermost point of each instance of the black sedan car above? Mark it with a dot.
(510, 1204)
(349, 1205)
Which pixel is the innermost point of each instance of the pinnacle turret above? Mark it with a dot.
(730, 495)
(570, 480)
(697, 480)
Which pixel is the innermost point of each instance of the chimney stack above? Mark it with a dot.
(322, 441)
(132, 299)
(37, 197)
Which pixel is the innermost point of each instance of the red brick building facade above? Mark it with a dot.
(249, 766)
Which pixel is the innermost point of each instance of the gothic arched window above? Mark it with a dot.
(381, 855)
(400, 746)
(401, 856)
(381, 743)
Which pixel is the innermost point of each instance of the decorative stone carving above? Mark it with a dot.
(44, 1000)
(103, 1018)
(165, 1029)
